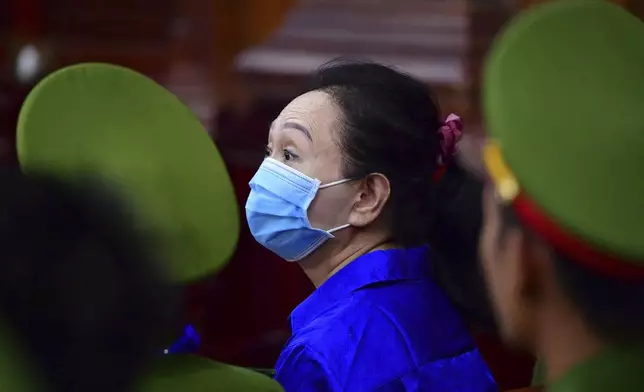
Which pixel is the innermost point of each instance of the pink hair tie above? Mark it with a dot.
(451, 133)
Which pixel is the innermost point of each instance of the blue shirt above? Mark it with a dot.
(381, 324)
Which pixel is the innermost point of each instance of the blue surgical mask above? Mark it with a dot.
(276, 210)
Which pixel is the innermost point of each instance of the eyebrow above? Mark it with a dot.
(299, 127)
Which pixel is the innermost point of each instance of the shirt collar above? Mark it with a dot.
(374, 267)
(615, 369)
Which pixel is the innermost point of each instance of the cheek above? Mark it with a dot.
(331, 207)
(498, 282)
(489, 239)
(319, 210)
(500, 271)
(327, 210)
(492, 259)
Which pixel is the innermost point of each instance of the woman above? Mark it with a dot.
(348, 191)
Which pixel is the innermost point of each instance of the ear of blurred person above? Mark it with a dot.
(78, 283)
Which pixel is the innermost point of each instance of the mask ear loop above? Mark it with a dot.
(338, 228)
(334, 183)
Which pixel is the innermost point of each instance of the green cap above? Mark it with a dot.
(563, 94)
(194, 374)
(16, 374)
(121, 127)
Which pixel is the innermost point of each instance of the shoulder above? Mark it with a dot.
(341, 324)
(302, 368)
(418, 340)
(351, 332)
(408, 314)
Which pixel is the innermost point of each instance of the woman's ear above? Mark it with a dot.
(373, 194)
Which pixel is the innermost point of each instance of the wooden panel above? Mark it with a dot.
(5, 15)
(135, 33)
(486, 19)
(441, 42)
(424, 38)
(166, 39)
(122, 20)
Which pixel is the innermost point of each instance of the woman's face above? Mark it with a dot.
(303, 137)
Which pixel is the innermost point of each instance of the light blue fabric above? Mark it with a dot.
(381, 324)
(276, 210)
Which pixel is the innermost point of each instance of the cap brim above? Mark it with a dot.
(191, 373)
(121, 126)
(562, 89)
(16, 374)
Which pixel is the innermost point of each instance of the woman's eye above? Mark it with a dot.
(289, 156)
(267, 152)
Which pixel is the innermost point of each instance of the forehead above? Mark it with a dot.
(316, 110)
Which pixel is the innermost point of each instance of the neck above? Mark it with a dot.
(325, 262)
(565, 343)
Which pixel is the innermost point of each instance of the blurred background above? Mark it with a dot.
(236, 63)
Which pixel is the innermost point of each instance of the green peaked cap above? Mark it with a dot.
(194, 374)
(16, 372)
(122, 127)
(563, 91)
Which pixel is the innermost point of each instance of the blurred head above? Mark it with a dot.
(562, 241)
(536, 289)
(372, 134)
(77, 283)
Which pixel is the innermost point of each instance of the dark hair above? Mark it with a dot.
(391, 126)
(611, 307)
(77, 284)
(459, 218)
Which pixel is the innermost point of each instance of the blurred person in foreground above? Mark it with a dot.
(122, 127)
(563, 238)
(80, 292)
(359, 177)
